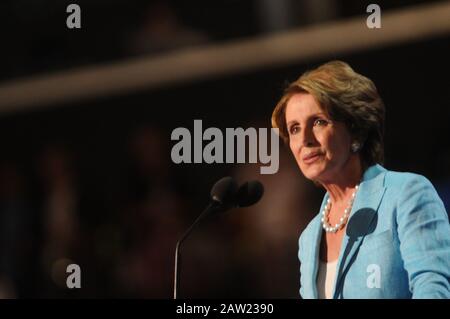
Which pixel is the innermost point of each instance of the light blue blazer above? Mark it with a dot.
(397, 242)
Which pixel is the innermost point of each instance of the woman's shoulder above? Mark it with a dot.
(411, 188)
(400, 180)
(380, 176)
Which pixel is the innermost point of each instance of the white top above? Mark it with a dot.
(325, 279)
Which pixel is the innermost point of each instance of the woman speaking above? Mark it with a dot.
(379, 233)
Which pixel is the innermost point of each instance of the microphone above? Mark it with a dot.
(249, 193)
(224, 195)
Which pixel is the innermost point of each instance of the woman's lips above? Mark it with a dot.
(312, 158)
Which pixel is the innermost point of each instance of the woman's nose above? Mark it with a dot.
(307, 138)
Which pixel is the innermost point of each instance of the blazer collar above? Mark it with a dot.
(367, 201)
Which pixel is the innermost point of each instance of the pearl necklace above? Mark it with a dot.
(326, 211)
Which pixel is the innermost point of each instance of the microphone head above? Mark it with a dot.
(249, 193)
(224, 191)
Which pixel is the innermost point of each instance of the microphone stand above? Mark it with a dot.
(213, 205)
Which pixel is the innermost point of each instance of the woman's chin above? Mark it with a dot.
(312, 173)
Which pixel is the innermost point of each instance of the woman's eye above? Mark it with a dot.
(293, 130)
(320, 122)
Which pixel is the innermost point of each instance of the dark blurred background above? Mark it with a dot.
(88, 178)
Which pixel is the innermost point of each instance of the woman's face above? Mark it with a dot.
(320, 146)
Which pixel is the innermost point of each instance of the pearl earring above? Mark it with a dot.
(355, 147)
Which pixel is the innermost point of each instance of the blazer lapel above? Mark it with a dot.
(361, 220)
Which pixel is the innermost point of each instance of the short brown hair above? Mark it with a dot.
(347, 97)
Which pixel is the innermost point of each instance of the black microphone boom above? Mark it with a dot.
(224, 195)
